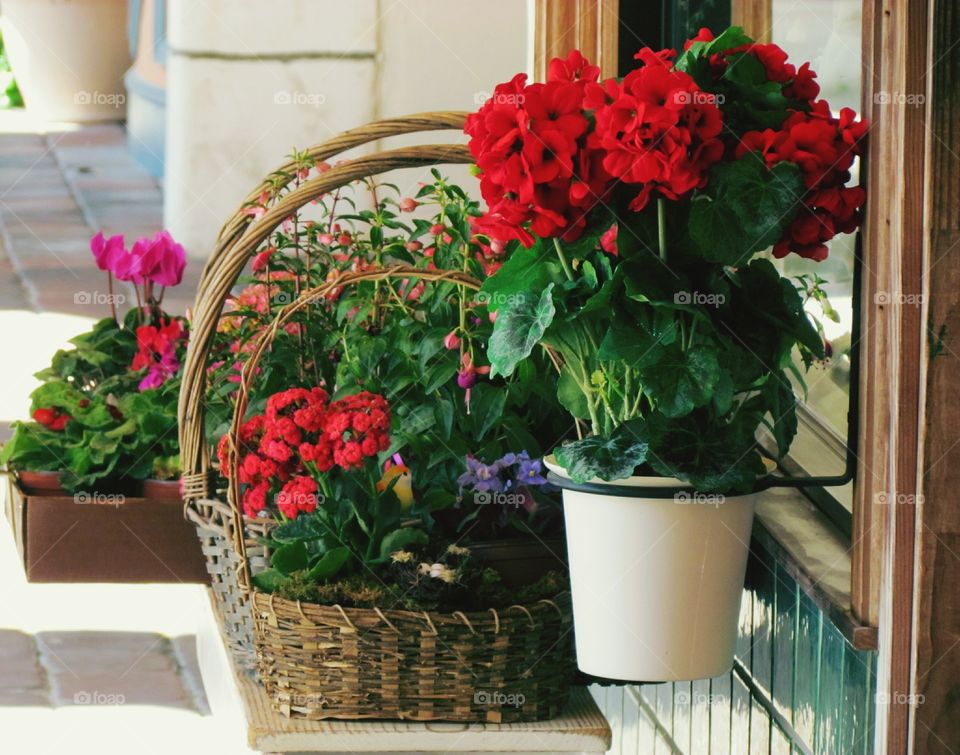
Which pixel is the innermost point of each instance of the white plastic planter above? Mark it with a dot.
(656, 578)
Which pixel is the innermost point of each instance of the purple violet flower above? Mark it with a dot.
(481, 477)
(531, 473)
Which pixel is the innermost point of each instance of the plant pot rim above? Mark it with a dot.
(638, 486)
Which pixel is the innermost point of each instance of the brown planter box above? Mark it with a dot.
(103, 538)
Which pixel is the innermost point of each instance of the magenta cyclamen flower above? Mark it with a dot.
(160, 259)
(112, 256)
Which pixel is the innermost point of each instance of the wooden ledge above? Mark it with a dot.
(244, 711)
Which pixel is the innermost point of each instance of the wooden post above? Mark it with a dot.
(591, 26)
(936, 680)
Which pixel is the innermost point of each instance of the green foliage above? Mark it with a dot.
(116, 431)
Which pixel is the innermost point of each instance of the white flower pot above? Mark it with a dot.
(656, 578)
(69, 56)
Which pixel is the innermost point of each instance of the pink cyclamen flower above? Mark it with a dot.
(160, 259)
(112, 256)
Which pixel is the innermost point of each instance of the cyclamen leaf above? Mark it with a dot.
(520, 325)
(613, 458)
(525, 272)
(290, 557)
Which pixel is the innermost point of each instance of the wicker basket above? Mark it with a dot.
(326, 661)
(329, 662)
(237, 241)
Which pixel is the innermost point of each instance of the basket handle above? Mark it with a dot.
(224, 266)
(263, 342)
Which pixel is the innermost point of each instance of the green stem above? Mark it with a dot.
(662, 227)
(568, 271)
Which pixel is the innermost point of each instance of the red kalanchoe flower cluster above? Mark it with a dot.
(824, 148)
(529, 142)
(656, 128)
(51, 418)
(299, 427)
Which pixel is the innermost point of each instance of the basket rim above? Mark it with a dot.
(491, 616)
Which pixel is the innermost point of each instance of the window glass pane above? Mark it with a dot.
(827, 33)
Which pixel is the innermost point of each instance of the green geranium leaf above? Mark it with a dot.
(744, 209)
(330, 564)
(525, 273)
(612, 458)
(520, 325)
(682, 380)
(631, 345)
(571, 395)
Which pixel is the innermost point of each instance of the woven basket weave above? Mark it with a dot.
(326, 661)
(238, 240)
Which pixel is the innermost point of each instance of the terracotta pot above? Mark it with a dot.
(161, 490)
(522, 561)
(69, 56)
(41, 483)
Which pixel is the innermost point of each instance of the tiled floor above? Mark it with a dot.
(106, 668)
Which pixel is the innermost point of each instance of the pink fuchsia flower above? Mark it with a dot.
(262, 259)
(467, 376)
(408, 204)
(257, 210)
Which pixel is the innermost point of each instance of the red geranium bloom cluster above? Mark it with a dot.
(823, 147)
(656, 128)
(302, 426)
(51, 418)
(798, 83)
(529, 141)
(543, 167)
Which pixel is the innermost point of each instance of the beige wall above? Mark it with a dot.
(249, 80)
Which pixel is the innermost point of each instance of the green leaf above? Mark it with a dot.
(570, 394)
(682, 380)
(290, 557)
(744, 209)
(487, 407)
(630, 345)
(400, 539)
(525, 273)
(329, 564)
(520, 325)
(303, 528)
(612, 458)
(269, 580)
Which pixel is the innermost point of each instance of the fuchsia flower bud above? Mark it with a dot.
(413, 246)
(437, 228)
(408, 204)
(451, 340)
